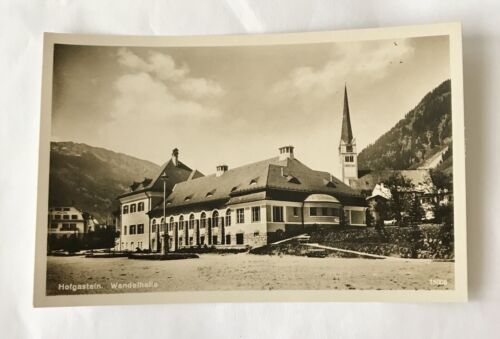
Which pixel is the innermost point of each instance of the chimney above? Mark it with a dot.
(220, 170)
(286, 152)
(175, 156)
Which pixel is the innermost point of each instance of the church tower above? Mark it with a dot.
(347, 147)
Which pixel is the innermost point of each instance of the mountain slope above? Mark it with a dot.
(91, 178)
(415, 139)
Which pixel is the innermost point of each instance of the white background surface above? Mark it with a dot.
(21, 27)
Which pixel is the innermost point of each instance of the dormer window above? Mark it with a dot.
(234, 188)
(187, 198)
(329, 183)
(292, 179)
(209, 194)
(254, 181)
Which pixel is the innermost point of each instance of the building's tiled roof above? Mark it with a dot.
(233, 186)
(175, 174)
(211, 187)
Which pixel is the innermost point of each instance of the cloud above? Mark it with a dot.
(200, 88)
(155, 89)
(368, 62)
(144, 98)
(163, 67)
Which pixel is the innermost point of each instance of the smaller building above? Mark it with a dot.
(377, 204)
(419, 184)
(66, 221)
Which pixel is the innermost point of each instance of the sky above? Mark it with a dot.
(238, 104)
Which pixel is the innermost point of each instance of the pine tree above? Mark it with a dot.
(415, 235)
(399, 186)
(342, 218)
(416, 212)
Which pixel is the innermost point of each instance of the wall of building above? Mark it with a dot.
(355, 215)
(138, 240)
(348, 159)
(251, 232)
(326, 213)
(66, 221)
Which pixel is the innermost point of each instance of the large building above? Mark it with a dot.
(134, 222)
(250, 205)
(254, 204)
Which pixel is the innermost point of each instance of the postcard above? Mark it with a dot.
(321, 166)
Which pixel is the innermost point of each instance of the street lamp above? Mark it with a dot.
(164, 178)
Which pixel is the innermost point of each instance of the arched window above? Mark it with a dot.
(215, 219)
(191, 221)
(132, 208)
(171, 226)
(203, 220)
(153, 227)
(228, 217)
(125, 209)
(181, 222)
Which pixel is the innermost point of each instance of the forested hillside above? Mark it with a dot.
(91, 178)
(424, 131)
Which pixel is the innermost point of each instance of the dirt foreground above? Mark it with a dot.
(80, 275)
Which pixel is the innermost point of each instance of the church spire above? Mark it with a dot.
(347, 146)
(346, 135)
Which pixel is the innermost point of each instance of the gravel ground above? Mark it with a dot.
(245, 272)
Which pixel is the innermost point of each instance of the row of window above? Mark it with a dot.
(64, 227)
(133, 208)
(324, 212)
(239, 240)
(65, 217)
(66, 209)
(215, 220)
(125, 245)
(133, 229)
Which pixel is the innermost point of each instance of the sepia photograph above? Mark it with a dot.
(321, 166)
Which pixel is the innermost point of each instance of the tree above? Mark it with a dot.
(441, 180)
(342, 218)
(383, 210)
(101, 237)
(370, 221)
(415, 235)
(446, 231)
(443, 183)
(72, 244)
(399, 187)
(416, 212)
